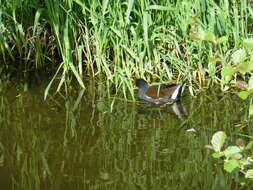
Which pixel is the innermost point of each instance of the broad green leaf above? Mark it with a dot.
(237, 156)
(227, 72)
(245, 162)
(239, 56)
(251, 82)
(248, 43)
(231, 150)
(250, 144)
(209, 36)
(249, 174)
(243, 94)
(231, 165)
(217, 154)
(245, 67)
(218, 140)
(222, 39)
(200, 35)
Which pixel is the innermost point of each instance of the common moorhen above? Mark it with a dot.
(160, 94)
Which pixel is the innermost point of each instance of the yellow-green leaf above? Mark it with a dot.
(248, 43)
(245, 67)
(239, 56)
(249, 174)
(227, 72)
(222, 39)
(231, 150)
(218, 140)
(231, 165)
(243, 94)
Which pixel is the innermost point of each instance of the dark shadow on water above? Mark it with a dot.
(177, 109)
(88, 141)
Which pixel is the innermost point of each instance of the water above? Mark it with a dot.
(89, 141)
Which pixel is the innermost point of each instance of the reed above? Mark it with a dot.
(116, 41)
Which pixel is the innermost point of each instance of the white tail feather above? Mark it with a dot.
(178, 92)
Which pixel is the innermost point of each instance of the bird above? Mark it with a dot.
(159, 94)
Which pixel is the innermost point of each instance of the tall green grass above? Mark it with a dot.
(116, 41)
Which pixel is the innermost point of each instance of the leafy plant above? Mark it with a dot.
(236, 157)
(240, 62)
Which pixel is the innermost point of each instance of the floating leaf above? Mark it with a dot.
(218, 140)
(243, 94)
(239, 56)
(222, 39)
(248, 43)
(231, 150)
(249, 174)
(231, 165)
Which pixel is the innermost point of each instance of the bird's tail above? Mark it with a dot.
(178, 92)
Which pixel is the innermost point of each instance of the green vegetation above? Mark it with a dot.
(199, 42)
(237, 158)
(116, 41)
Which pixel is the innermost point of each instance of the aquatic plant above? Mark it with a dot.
(236, 158)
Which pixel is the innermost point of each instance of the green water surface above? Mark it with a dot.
(86, 140)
